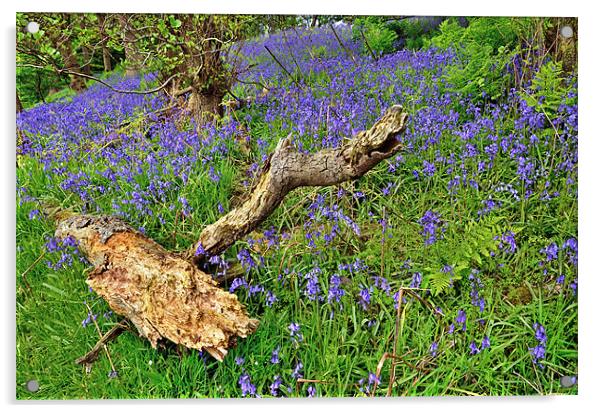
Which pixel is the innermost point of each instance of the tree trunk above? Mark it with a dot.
(133, 59)
(205, 107)
(69, 59)
(106, 59)
(87, 57)
(64, 44)
(167, 297)
(19, 104)
(163, 295)
(106, 54)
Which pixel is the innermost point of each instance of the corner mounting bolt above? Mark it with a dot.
(32, 27)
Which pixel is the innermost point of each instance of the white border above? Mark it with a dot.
(590, 369)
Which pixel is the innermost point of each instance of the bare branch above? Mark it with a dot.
(96, 79)
(287, 169)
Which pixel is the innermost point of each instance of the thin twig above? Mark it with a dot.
(104, 346)
(342, 45)
(112, 334)
(281, 65)
(395, 339)
(94, 78)
(33, 264)
(368, 46)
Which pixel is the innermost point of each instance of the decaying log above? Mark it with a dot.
(287, 169)
(163, 295)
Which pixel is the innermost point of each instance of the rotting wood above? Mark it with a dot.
(163, 295)
(167, 296)
(287, 169)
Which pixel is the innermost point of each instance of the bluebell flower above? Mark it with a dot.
(295, 332)
(416, 280)
(270, 298)
(297, 371)
(428, 168)
(461, 319)
(335, 292)
(364, 298)
(551, 251)
(432, 227)
(433, 349)
(538, 352)
(311, 391)
(275, 359)
(486, 343)
(275, 386)
(237, 283)
(248, 388)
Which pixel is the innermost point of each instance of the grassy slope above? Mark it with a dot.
(340, 345)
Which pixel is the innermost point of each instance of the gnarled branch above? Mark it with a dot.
(288, 169)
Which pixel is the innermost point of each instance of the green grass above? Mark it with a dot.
(336, 351)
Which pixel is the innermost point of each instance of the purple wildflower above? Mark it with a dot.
(275, 386)
(248, 388)
(486, 343)
(311, 391)
(335, 292)
(431, 225)
(508, 243)
(275, 359)
(461, 319)
(538, 352)
(295, 331)
(364, 298)
(297, 371)
(433, 349)
(551, 252)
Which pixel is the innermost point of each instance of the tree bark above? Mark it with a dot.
(133, 60)
(205, 107)
(287, 169)
(19, 104)
(77, 82)
(163, 295)
(64, 44)
(87, 58)
(106, 54)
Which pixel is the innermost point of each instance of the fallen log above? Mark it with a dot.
(167, 296)
(162, 294)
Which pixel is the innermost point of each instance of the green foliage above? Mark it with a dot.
(63, 94)
(379, 38)
(414, 32)
(548, 88)
(485, 48)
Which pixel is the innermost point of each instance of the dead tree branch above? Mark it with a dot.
(287, 169)
(164, 295)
